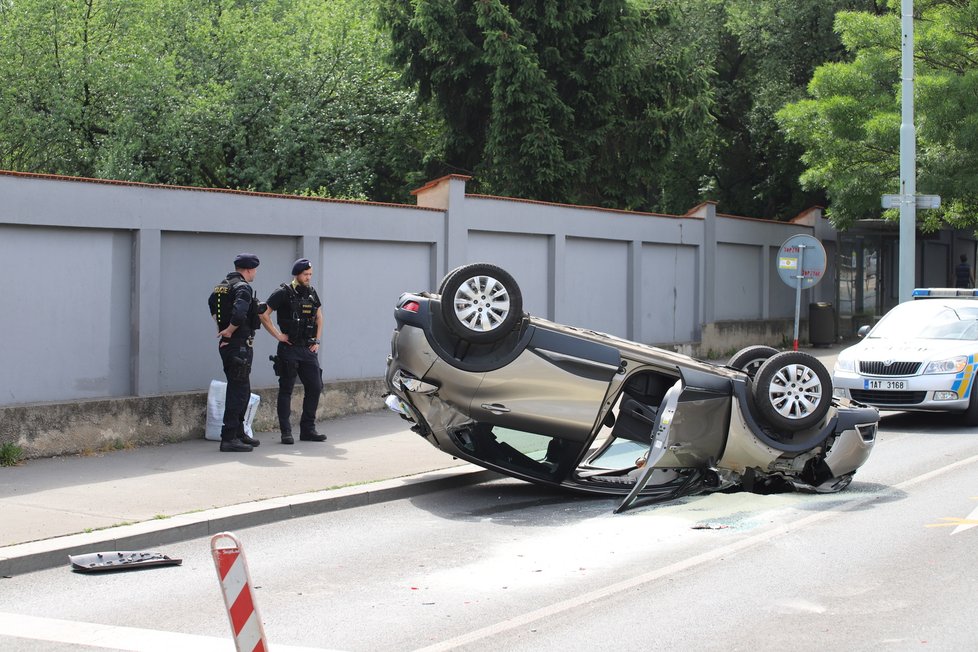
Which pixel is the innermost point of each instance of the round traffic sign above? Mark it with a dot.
(801, 257)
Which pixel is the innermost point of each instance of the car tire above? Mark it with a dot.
(444, 279)
(971, 414)
(481, 303)
(750, 359)
(792, 391)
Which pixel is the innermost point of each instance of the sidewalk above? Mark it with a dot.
(143, 498)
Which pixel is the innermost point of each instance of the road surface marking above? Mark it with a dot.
(679, 566)
(966, 523)
(114, 637)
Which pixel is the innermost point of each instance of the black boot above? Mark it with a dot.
(234, 446)
(287, 438)
(313, 436)
(251, 441)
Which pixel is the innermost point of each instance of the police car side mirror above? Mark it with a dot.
(861, 333)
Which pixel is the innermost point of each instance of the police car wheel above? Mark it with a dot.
(792, 391)
(971, 414)
(481, 303)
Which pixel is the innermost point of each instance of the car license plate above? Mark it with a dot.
(895, 385)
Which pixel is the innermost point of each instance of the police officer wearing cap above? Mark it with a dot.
(299, 314)
(236, 311)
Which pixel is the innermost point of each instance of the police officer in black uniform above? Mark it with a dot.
(299, 314)
(963, 276)
(236, 311)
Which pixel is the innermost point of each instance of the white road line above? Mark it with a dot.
(113, 637)
(677, 567)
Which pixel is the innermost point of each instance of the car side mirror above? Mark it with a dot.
(861, 333)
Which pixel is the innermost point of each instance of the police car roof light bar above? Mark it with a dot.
(936, 293)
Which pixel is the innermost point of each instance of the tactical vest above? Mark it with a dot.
(221, 303)
(298, 321)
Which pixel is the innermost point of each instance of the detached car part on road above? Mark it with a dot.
(573, 408)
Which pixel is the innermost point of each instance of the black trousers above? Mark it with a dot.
(298, 361)
(237, 357)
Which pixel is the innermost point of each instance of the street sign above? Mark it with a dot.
(801, 265)
(801, 258)
(923, 201)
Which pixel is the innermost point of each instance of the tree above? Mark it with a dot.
(551, 100)
(269, 95)
(760, 57)
(66, 69)
(850, 124)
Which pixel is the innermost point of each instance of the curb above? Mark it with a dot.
(50, 553)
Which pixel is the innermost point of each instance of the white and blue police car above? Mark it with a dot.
(920, 356)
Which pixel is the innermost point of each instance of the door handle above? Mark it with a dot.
(495, 408)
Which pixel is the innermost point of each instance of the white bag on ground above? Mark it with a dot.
(215, 411)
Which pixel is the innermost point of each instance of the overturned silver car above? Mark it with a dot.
(573, 408)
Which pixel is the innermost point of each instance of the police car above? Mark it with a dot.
(920, 356)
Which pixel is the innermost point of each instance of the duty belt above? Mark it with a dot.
(250, 340)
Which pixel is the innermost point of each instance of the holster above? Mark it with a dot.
(276, 364)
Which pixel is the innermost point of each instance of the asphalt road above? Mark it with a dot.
(886, 564)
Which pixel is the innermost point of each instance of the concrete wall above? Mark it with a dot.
(108, 281)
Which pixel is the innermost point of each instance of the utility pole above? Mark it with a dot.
(908, 163)
(908, 201)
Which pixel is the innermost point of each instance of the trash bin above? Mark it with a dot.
(821, 324)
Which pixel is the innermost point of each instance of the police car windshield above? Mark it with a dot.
(928, 319)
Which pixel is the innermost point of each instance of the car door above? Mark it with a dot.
(555, 387)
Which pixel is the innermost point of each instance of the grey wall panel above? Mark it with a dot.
(526, 257)
(738, 281)
(359, 285)
(148, 257)
(67, 333)
(756, 231)
(66, 202)
(669, 293)
(515, 216)
(595, 291)
(192, 264)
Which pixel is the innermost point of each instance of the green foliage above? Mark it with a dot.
(566, 101)
(646, 104)
(849, 125)
(760, 56)
(11, 454)
(274, 95)
(642, 104)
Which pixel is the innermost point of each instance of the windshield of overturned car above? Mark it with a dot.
(535, 455)
(928, 320)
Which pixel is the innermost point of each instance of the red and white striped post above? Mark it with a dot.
(232, 571)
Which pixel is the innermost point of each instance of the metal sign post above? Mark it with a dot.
(801, 262)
